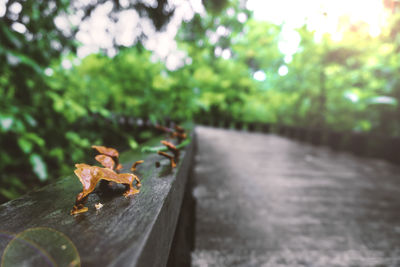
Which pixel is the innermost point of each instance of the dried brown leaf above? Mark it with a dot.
(106, 161)
(112, 152)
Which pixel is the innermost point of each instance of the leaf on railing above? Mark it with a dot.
(106, 161)
(109, 157)
(119, 167)
(108, 151)
(163, 129)
(133, 168)
(171, 147)
(89, 176)
(178, 132)
(168, 156)
(148, 149)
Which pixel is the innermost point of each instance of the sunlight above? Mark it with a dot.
(283, 70)
(336, 17)
(329, 16)
(66, 64)
(2, 8)
(289, 41)
(260, 76)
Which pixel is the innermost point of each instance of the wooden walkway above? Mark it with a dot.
(263, 200)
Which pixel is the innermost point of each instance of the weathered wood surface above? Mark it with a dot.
(265, 200)
(134, 231)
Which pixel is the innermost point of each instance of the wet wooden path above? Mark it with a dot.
(263, 200)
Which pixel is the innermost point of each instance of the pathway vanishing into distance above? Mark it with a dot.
(264, 200)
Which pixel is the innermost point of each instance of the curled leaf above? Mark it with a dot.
(108, 151)
(89, 176)
(178, 132)
(148, 149)
(163, 128)
(179, 129)
(168, 144)
(168, 156)
(80, 208)
(119, 167)
(171, 147)
(179, 136)
(106, 161)
(133, 168)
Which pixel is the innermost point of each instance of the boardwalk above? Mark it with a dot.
(263, 200)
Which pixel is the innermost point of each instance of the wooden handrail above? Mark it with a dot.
(133, 231)
(361, 144)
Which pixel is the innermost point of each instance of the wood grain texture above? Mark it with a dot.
(133, 231)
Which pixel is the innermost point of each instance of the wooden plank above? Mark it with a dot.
(134, 231)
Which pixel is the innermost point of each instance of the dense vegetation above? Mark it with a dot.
(50, 115)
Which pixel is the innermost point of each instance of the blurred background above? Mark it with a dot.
(73, 72)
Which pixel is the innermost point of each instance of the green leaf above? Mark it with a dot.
(133, 144)
(11, 36)
(17, 183)
(35, 138)
(39, 167)
(6, 123)
(385, 100)
(31, 121)
(25, 144)
(76, 139)
(27, 140)
(26, 60)
(149, 149)
(10, 194)
(35, 12)
(145, 134)
(57, 153)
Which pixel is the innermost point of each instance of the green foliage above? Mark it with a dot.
(50, 115)
(348, 85)
(28, 125)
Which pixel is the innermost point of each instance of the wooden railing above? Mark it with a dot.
(38, 230)
(361, 144)
(153, 228)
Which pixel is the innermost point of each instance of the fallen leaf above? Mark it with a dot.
(106, 161)
(112, 152)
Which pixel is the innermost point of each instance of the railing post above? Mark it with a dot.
(315, 137)
(226, 123)
(334, 140)
(251, 126)
(266, 128)
(358, 143)
(238, 125)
